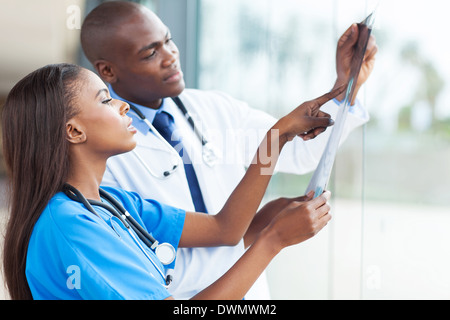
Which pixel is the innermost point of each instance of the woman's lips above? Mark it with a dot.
(131, 127)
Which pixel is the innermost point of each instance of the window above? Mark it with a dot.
(390, 184)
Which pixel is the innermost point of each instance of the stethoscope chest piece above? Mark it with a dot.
(166, 253)
(209, 155)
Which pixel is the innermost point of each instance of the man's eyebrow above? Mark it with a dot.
(100, 91)
(154, 44)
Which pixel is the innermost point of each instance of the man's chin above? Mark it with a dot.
(178, 90)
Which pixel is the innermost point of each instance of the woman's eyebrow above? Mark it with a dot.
(100, 91)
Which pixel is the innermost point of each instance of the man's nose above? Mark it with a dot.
(170, 56)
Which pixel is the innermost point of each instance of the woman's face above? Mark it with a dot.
(106, 127)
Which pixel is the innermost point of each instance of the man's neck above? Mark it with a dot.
(152, 104)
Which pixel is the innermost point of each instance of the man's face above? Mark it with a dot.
(146, 61)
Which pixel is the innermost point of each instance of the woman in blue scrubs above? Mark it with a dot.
(59, 128)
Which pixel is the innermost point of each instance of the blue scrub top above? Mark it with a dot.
(73, 254)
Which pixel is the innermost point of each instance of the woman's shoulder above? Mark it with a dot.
(60, 209)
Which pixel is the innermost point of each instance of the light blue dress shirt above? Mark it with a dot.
(149, 113)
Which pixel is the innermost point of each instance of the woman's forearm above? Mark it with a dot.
(306, 121)
(235, 283)
(240, 208)
(298, 222)
(230, 224)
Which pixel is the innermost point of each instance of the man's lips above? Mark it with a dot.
(174, 76)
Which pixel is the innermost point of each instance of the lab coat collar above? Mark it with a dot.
(149, 113)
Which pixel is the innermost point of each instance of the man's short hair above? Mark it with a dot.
(101, 24)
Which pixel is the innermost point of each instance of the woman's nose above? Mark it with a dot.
(124, 108)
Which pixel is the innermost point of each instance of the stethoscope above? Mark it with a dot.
(208, 153)
(165, 252)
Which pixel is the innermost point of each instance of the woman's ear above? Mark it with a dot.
(106, 71)
(75, 134)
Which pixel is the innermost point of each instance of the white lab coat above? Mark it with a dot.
(224, 121)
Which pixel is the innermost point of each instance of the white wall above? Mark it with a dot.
(34, 33)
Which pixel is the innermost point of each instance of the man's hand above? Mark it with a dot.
(344, 56)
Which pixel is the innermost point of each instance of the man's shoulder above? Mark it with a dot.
(205, 94)
(211, 99)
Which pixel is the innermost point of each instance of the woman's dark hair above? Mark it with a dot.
(36, 154)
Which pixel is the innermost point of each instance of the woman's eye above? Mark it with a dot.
(107, 101)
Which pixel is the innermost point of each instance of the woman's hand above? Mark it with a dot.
(307, 121)
(267, 213)
(299, 221)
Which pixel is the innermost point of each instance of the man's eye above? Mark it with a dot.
(151, 55)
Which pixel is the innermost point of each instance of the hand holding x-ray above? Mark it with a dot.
(321, 176)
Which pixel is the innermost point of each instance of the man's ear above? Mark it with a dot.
(75, 134)
(106, 71)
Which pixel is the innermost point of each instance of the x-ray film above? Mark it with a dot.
(321, 176)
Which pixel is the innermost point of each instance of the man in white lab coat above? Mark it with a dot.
(133, 52)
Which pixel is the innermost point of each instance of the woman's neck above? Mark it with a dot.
(86, 176)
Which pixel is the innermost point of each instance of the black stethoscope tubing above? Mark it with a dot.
(185, 113)
(118, 211)
(188, 117)
(208, 151)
